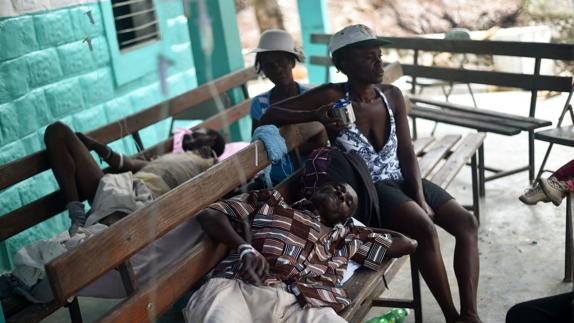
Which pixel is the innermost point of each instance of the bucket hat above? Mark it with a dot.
(355, 35)
(277, 40)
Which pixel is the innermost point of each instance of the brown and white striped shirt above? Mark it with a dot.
(310, 264)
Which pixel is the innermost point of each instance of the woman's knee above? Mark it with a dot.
(468, 223)
(56, 131)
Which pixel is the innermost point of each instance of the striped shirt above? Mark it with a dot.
(310, 264)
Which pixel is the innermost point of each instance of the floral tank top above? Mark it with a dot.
(382, 164)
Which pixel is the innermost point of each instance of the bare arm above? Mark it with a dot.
(217, 226)
(407, 158)
(309, 106)
(112, 158)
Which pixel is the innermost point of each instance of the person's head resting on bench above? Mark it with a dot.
(276, 56)
(204, 141)
(334, 202)
(355, 52)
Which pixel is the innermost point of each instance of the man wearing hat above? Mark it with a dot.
(381, 136)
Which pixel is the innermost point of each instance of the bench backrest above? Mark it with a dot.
(45, 207)
(533, 81)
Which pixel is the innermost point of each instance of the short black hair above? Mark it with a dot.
(257, 64)
(218, 144)
(339, 56)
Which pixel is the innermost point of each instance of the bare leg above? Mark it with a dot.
(464, 227)
(410, 219)
(76, 171)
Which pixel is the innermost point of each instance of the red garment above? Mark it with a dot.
(566, 174)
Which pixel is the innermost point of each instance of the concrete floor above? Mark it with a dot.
(521, 247)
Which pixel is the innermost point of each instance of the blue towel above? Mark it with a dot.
(274, 144)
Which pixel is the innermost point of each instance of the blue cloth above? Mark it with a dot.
(275, 146)
(259, 105)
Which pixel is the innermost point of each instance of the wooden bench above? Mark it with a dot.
(130, 235)
(46, 207)
(481, 120)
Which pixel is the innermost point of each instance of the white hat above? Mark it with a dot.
(357, 35)
(273, 40)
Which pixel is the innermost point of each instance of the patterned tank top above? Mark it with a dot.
(382, 164)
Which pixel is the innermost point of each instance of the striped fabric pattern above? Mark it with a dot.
(311, 265)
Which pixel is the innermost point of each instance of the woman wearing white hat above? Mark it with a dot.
(380, 135)
(276, 56)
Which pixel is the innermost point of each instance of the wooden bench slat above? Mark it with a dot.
(34, 313)
(433, 114)
(523, 81)
(457, 107)
(364, 283)
(562, 136)
(421, 143)
(18, 170)
(476, 116)
(154, 298)
(131, 234)
(436, 153)
(468, 146)
(31, 214)
(484, 47)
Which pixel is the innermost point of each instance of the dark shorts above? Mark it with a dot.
(393, 194)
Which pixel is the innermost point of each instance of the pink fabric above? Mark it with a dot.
(178, 139)
(232, 148)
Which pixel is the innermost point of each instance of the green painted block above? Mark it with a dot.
(64, 97)
(11, 152)
(83, 27)
(101, 52)
(97, 86)
(176, 85)
(14, 72)
(54, 28)
(118, 108)
(9, 199)
(31, 143)
(26, 109)
(146, 97)
(182, 57)
(90, 119)
(8, 124)
(17, 37)
(177, 32)
(43, 67)
(4, 92)
(75, 58)
(172, 8)
(190, 78)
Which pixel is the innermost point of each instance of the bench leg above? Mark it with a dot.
(481, 169)
(475, 187)
(531, 156)
(416, 285)
(74, 309)
(568, 242)
(128, 277)
(415, 135)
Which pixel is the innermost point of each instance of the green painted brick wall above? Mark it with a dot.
(48, 73)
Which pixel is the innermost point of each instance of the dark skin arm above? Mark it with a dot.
(407, 158)
(129, 165)
(309, 106)
(402, 245)
(217, 226)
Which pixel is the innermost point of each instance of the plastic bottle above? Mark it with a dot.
(396, 315)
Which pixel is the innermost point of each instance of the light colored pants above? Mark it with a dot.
(223, 300)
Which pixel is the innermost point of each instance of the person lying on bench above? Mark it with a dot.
(552, 189)
(381, 136)
(286, 263)
(132, 184)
